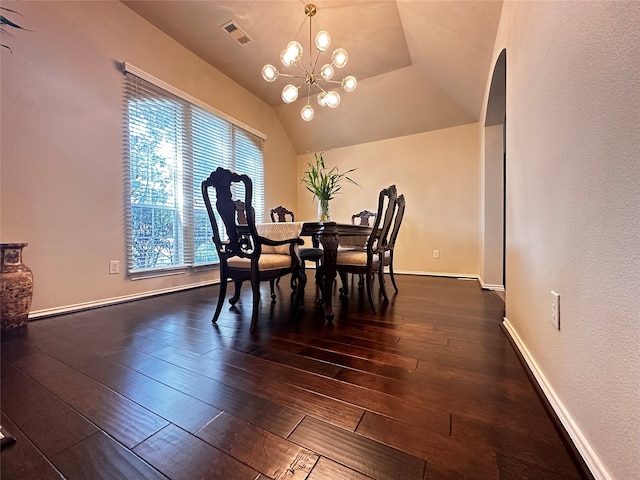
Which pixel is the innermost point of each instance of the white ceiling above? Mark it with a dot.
(421, 65)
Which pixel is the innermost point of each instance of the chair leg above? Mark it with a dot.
(320, 284)
(319, 276)
(255, 287)
(236, 295)
(301, 282)
(273, 293)
(360, 281)
(221, 295)
(369, 284)
(344, 291)
(383, 289)
(393, 279)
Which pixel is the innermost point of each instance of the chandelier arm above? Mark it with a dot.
(301, 68)
(313, 69)
(333, 81)
(291, 76)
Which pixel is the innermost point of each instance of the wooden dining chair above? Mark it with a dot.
(241, 212)
(360, 218)
(367, 261)
(243, 256)
(389, 246)
(315, 254)
(363, 217)
(281, 214)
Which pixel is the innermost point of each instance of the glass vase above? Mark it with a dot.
(324, 215)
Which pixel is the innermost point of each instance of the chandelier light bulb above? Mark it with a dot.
(349, 83)
(270, 73)
(291, 54)
(327, 72)
(332, 99)
(285, 59)
(323, 40)
(307, 113)
(340, 57)
(289, 94)
(322, 99)
(294, 51)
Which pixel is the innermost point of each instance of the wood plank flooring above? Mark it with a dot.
(429, 388)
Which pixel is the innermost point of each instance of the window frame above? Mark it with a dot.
(202, 130)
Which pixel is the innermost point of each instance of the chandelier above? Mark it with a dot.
(291, 56)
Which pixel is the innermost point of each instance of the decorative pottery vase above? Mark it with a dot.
(324, 215)
(16, 287)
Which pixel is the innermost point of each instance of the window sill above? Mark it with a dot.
(157, 272)
(163, 272)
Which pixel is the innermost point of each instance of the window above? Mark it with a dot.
(172, 145)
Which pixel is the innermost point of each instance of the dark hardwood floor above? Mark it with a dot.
(429, 388)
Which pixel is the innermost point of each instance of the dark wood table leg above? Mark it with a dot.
(329, 241)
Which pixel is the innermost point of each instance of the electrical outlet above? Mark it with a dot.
(555, 309)
(114, 266)
(436, 254)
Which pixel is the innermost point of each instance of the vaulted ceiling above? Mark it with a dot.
(421, 65)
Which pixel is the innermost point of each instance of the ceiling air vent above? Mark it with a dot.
(235, 32)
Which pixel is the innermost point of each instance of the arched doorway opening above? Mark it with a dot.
(493, 269)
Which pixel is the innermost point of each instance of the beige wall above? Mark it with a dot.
(438, 174)
(573, 215)
(62, 150)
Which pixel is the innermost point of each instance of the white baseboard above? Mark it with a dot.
(49, 312)
(489, 286)
(435, 274)
(589, 456)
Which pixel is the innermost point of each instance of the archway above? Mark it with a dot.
(494, 248)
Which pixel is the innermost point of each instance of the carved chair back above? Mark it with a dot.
(229, 214)
(400, 205)
(363, 217)
(383, 219)
(280, 214)
(241, 212)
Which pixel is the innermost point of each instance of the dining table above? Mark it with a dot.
(328, 234)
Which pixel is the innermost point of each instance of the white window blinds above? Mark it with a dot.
(173, 142)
